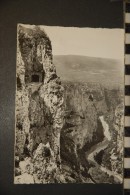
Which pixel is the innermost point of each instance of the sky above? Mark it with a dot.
(94, 42)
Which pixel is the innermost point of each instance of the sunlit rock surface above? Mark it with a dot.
(69, 132)
(39, 107)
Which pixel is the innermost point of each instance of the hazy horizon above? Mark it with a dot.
(116, 59)
(91, 42)
(88, 69)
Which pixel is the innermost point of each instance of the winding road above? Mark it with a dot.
(99, 147)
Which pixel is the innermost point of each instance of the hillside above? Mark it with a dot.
(88, 69)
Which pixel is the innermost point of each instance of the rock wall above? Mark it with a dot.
(84, 104)
(56, 127)
(39, 109)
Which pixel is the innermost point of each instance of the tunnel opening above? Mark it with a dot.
(35, 78)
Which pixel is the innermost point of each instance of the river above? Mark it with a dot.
(99, 147)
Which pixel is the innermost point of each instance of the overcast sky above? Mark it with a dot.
(95, 42)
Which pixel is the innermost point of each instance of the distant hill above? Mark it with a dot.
(88, 69)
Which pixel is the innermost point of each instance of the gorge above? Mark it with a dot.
(93, 113)
(67, 131)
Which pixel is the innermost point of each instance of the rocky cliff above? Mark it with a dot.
(39, 109)
(83, 130)
(60, 137)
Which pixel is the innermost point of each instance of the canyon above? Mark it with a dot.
(67, 131)
(94, 130)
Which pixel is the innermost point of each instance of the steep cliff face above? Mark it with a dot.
(39, 108)
(113, 158)
(83, 104)
(60, 137)
(83, 130)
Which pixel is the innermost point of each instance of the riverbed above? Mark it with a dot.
(99, 147)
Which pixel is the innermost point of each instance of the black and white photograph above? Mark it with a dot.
(69, 105)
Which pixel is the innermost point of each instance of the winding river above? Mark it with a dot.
(99, 147)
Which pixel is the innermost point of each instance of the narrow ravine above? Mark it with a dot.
(99, 147)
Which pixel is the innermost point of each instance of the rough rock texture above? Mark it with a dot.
(113, 157)
(39, 108)
(84, 103)
(58, 127)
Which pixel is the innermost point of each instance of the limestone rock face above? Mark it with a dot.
(58, 127)
(39, 107)
(82, 128)
(85, 103)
